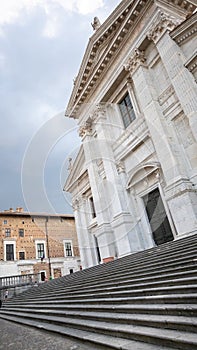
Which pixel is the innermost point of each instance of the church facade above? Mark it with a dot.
(134, 180)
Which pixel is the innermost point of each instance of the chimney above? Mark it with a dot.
(19, 209)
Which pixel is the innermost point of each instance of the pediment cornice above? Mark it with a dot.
(104, 45)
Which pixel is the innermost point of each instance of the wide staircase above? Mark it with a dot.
(144, 301)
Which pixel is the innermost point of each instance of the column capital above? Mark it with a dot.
(135, 60)
(86, 128)
(120, 167)
(99, 111)
(163, 23)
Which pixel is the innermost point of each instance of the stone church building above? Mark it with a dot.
(134, 180)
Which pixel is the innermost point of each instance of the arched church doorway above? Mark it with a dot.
(157, 217)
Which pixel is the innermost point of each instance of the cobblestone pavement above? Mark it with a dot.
(18, 337)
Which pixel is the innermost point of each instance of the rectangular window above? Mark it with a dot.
(7, 232)
(92, 207)
(5, 222)
(21, 255)
(68, 249)
(127, 111)
(21, 232)
(9, 252)
(40, 250)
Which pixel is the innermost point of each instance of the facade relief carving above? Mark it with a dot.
(162, 24)
(135, 60)
(99, 111)
(120, 167)
(86, 128)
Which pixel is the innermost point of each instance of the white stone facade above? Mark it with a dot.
(134, 181)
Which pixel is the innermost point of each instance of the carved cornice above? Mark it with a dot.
(191, 64)
(186, 30)
(102, 48)
(137, 59)
(162, 24)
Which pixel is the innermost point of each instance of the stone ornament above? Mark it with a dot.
(120, 167)
(96, 23)
(138, 58)
(86, 128)
(163, 23)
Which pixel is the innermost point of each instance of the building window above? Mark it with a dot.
(21, 232)
(5, 222)
(7, 232)
(21, 255)
(127, 111)
(92, 207)
(9, 252)
(40, 250)
(68, 249)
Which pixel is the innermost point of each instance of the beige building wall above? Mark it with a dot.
(24, 231)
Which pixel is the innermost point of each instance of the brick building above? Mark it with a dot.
(36, 242)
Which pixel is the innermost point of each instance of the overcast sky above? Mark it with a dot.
(42, 43)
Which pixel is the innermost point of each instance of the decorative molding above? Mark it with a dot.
(86, 128)
(120, 167)
(186, 30)
(135, 60)
(99, 111)
(162, 24)
(165, 95)
(191, 64)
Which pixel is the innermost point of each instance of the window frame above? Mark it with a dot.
(44, 250)
(126, 103)
(12, 242)
(19, 233)
(7, 229)
(67, 241)
(92, 207)
(23, 252)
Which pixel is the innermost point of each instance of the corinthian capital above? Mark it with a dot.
(163, 23)
(99, 111)
(86, 128)
(137, 59)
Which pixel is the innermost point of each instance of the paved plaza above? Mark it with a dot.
(18, 337)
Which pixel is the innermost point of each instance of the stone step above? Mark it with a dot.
(163, 337)
(151, 299)
(107, 342)
(130, 284)
(48, 288)
(188, 324)
(189, 310)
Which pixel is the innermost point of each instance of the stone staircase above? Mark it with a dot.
(143, 301)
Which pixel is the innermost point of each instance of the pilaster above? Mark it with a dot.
(174, 61)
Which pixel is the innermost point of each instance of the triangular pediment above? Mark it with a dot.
(104, 46)
(77, 170)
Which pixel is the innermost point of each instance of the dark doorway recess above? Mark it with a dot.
(159, 223)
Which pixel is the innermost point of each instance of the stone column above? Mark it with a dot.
(94, 164)
(85, 244)
(179, 189)
(168, 152)
(173, 59)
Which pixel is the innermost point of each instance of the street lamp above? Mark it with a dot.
(48, 251)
